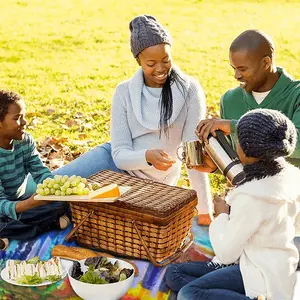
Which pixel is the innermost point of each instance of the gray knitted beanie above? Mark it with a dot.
(146, 32)
(266, 134)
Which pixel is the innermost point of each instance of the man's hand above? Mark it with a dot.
(205, 127)
(159, 159)
(207, 166)
(220, 206)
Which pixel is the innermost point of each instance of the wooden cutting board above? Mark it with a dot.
(85, 198)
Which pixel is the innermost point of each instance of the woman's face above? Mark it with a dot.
(156, 63)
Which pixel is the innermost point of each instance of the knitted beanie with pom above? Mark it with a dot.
(146, 32)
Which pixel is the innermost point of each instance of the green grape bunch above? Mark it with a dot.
(63, 186)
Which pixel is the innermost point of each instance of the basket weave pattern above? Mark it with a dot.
(161, 214)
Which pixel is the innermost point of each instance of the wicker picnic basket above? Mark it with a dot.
(150, 221)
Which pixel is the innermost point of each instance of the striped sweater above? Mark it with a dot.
(15, 165)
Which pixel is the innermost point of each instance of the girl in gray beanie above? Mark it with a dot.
(253, 240)
(152, 114)
(265, 135)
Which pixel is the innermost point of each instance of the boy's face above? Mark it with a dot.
(250, 69)
(13, 125)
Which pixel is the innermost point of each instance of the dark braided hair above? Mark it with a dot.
(6, 99)
(166, 99)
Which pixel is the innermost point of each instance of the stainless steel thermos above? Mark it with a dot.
(226, 159)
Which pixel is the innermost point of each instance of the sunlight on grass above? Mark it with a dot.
(69, 55)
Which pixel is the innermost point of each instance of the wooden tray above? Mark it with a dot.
(85, 198)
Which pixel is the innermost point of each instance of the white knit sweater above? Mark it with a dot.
(135, 129)
(259, 232)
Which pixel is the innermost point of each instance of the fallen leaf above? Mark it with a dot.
(55, 163)
(88, 125)
(79, 143)
(33, 123)
(59, 140)
(55, 153)
(33, 114)
(56, 147)
(83, 136)
(50, 111)
(85, 126)
(70, 123)
(78, 115)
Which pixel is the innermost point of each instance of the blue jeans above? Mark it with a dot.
(206, 280)
(91, 162)
(33, 222)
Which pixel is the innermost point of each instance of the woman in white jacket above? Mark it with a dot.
(256, 237)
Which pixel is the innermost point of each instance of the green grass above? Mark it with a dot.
(68, 55)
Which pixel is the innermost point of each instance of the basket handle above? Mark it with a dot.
(171, 258)
(73, 231)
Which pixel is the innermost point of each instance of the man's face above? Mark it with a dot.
(249, 70)
(156, 62)
(13, 125)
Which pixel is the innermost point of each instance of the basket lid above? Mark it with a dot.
(146, 196)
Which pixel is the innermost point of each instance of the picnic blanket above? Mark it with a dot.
(148, 285)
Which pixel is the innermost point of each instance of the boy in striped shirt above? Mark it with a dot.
(22, 217)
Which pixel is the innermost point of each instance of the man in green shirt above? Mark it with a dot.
(262, 85)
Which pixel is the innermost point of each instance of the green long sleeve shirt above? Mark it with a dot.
(284, 96)
(15, 165)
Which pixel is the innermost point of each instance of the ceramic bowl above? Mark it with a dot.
(109, 291)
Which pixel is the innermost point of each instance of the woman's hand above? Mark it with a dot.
(205, 127)
(159, 159)
(220, 206)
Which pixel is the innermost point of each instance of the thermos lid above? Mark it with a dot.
(239, 178)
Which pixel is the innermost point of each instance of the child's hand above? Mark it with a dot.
(42, 202)
(220, 206)
(30, 203)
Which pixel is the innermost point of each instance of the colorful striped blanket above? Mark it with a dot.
(148, 285)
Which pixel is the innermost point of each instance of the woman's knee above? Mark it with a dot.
(91, 162)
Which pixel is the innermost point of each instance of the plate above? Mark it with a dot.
(65, 266)
(123, 189)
